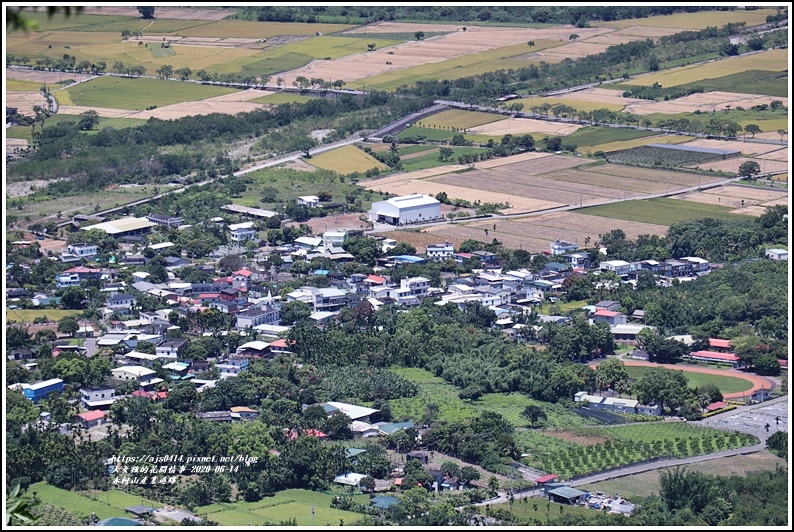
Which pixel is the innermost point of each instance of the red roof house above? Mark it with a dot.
(91, 419)
(545, 478)
(717, 343)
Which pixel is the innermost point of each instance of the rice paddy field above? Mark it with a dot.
(627, 144)
(261, 30)
(283, 506)
(768, 60)
(458, 119)
(283, 97)
(346, 160)
(135, 93)
(592, 136)
(695, 21)
(770, 83)
(104, 504)
(27, 316)
(20, 85)
(661, 211)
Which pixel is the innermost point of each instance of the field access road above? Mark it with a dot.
(642, 468)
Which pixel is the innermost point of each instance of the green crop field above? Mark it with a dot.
(591, 136)
(430, 160)
(283, 97)
(431, 134)
(19, 85)
(696, 380)
(283, 506)
(104, 503)
(159, 51)
(694, 21)
(458, 119)
(614, 446)
(139, 93)
(747, 82)
(27, 316)
(524, 508)
(243, 29)
(661, 211)
(346, 160)
(634, 143)
(505, 57)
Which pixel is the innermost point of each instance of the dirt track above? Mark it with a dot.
(758, 382)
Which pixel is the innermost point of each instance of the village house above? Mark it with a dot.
(97, 397)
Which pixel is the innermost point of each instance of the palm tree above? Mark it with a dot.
(766, 427)
(777, 421)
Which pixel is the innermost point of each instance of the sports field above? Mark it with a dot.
(661, 211)
(346, 160)
(695, 380)
(137, 93)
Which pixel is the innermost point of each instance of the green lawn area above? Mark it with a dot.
(459, 119)
(747, 82)
(283, 97)
(564, 307)
(725, 384)
(107, 504)
(592, 136)
(282, 507)
(661, 211)
(139, 93)
(27, 316)
(346, 160)
(525, 508)
(434, 389)
(430, 160)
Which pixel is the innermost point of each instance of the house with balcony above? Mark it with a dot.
(561, 247)
(242, 231)
(77, 252)
(440, 252)
(172, 347)
(132, 373)
(65, 280)
(232, 367)
(415, 286)
(121, 303)
(309, 201)
(577, 260)
(620, 267)
(97, 397)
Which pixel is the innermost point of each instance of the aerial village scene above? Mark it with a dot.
(397, 265)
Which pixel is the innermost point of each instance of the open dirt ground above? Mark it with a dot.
(519, 126)
(573, 437)
(431, 50)
(338, 222)
(534, 233)
(405, 27)
(758, 382)
(705, 101)
(647, 32)
(162, 12)
(41, 76)
(774, 135)
(214, 42)
(25, 100)
(574, 50)
(419, 240)
(776, 155)
(747, 148)
(732, 165)
(595, 94)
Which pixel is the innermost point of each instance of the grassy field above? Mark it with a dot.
(591, 136)
(696, 380)
(294, 183)
(661, 211)
(282, 507)
(346, 160)
(458, 119)
(430, 160)
(242, 29)
(27, 316)
(748, 82)
(564, 307)
(525, 508)
(25, 132)
(431, 134)
(19, 85)
(579, 105)
(283, 97)
(626, 144)
(769, 60)
(107, 504)
(695, 21)
(505, 57)
(159, 51)
(452, 408)
(138, 93)
(645, 484)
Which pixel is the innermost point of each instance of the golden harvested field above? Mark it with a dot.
(695, 21)
(774, 135)
(25, 100)
(704, 101)
(571, 100)
(732, 196)
(346, 160)
(776, 155)
(611, 39)
(406, 27)
(598, 95)
(162, 12)
(216, 42)
(42, 76)
(520, 126)
(772, 60)
(432, 50)
(260, 30)
(574, 50)
(534, 233)
(459, 119)
(104, 112)
(633, 143)
(646, 32)
(19, 85)
(336, 222)
(747, 148)
(732, 165)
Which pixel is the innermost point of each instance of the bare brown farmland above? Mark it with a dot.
(732, 196)
(420, 240)
(732, 165)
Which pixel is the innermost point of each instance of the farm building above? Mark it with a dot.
(777, 254)
(566, 495)
(90, 419)
(406, 209)
(123, 227)
(40, 390)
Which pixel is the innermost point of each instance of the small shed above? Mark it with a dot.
(567, 495)
(545, 479)
(140, 510)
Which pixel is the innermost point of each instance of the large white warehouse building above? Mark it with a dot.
(406, 209)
